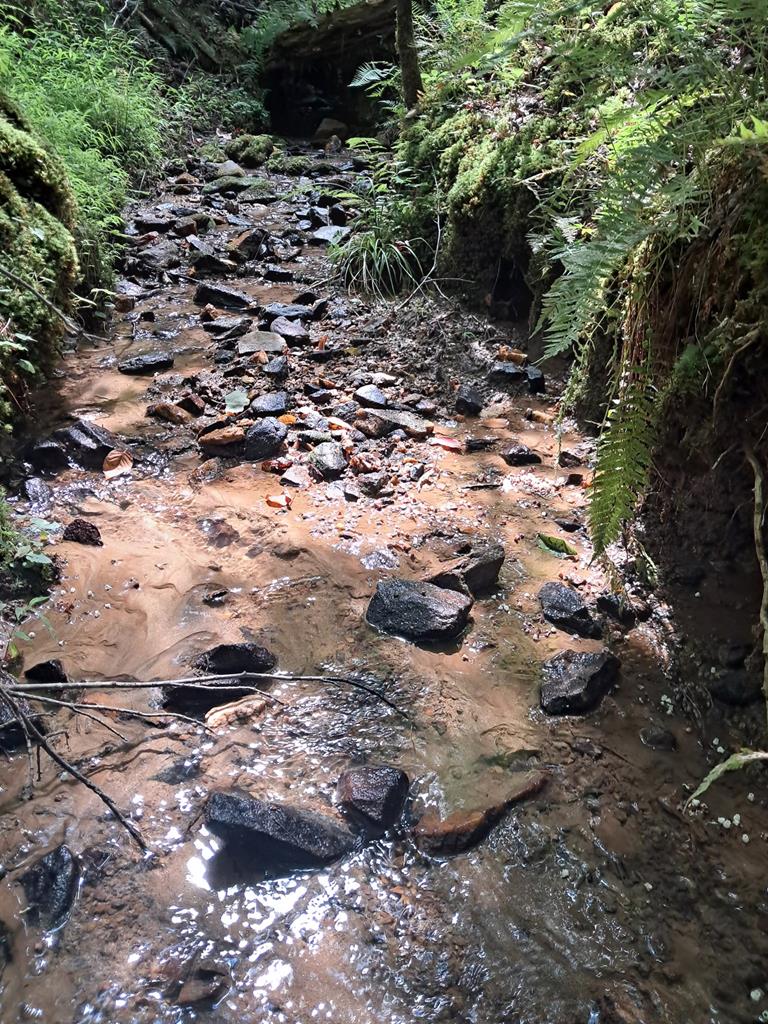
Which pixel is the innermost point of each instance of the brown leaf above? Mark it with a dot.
(279, 500)
(117, 463)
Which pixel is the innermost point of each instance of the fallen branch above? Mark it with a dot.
(32, 731)
(67, 321)
(758, 523)
(209, 683)
(82, 708)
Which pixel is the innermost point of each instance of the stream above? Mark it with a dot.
(595, 900)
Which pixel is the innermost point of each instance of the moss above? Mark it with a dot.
(37, 246)
(250, 150)
(294, 166)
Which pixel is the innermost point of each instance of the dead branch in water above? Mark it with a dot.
(81, 708)
(68, 322)
(31, 730)
(238, 680)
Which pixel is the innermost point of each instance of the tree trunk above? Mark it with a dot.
(409, 55)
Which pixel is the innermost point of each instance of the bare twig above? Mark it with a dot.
(67, 321)
(70, 769)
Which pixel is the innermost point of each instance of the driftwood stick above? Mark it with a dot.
(239, 681)
(29, 726)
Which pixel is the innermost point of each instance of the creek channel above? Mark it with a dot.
(594, 901)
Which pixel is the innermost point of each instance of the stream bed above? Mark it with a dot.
(595, 900)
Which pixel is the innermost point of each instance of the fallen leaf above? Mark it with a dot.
(279, 501)
(451, 444)
(287, 418)
(117, 463)
(236, 401)
(556, 545)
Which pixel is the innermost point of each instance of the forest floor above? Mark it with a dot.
(594, 901)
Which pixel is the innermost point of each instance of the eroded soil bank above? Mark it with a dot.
(594, 901)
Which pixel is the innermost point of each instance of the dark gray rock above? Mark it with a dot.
(658, 738)
(736, 687)
(373, 796)
(372, 484)
(476, 573)
(569, 460)
(274, 272)
(330, 234)
(618, 608)
(469, 401)
(149, 362)
(276, 835)
(537, 384)
(521, 455)
(576, 681)
(289, 311)
(50, 886)
(294, 331)
(223, 660)
(328, 460)
(48, 456)
(371, 397)
(231, 326)
(418, 611)
(565, 608)
(277, 368)
(47, 672)
(86, 443)
(38, 493)
(221, 296)
(265, 439)
(506, 373)
(273, 404)
(260, 341)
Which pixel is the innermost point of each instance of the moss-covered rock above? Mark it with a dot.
(38, 249)
(295, 166)
(250, 150)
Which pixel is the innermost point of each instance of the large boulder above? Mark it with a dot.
(418, 611)
(565, 608)
(276, 835)
(373, 796)
(50, 886)
(576, 681)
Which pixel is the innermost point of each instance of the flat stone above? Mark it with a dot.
(51, 671)
(521, 455)
(260, 341)
(465, 828)
(380, 422)
(251, 244)
(565, 608)
(277, 368)
(230, 183)
(294, 331)
(330, 234)
(287, 311)
(273, 404)
(149, 362)
(223, 441)
(229, 169)
(418, 611)
(51, 886)
(469, 401)
(232, 326)
(371, 397)
(373, 795)
(220, 296)
(475, 573)
(297, 476)
(506, 373)
(276, 835)
(265, 439)
(328, 460)
(576, 681)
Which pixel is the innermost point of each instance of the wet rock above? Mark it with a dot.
(149, 362)
(380, 422)
(276, 835)
(294, 332)
(565, 608)
(169, 412)
(205, 985)
(221, 296)
(223, 441)
(277, 368)
(193, 404)
(576, 681)
(48, 456)
(229, 169)
(569, 525)
(331, 234)
(568, 460)
(151, 221)
(289, 311)
(732, 655)
(251, 244)
(161, 256)
(265, 439)
(373, 796)
(274, 272)
(273, 404)
(260, 341)
(536, 381)
(181, 770)
(616, 607)
(51, 886)
(469, 401)
(38, 493)
(51, 671)
(297, 476)
(231, 326)
(12, 734)
(235, 658)
(418, 611)
(506, 373)
(372, 484)
(475, 573)
(658, 738)
(328, 460)
(521, 455)
(465, 828)
(86, 443)
(230, 184)
(371, 397)
(81, 531)
(736, 687)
